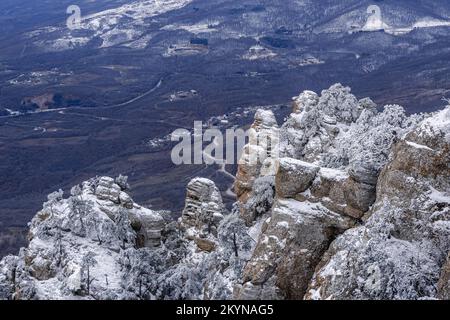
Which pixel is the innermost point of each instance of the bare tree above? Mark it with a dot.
(235, 246)
(123, 226)
(86, 264)
(59, 248)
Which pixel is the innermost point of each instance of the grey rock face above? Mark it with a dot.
(289, 247)
(293, 177)
(363, 173)
(358, 197)
(202, 213)
(400, 251)
(92, 223)
(149, 229)
(328, 189)
(444, 281)
(255, 153)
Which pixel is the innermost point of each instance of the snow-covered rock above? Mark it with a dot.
(202, 214)
(289, 247)
(75, 245)
(334, 150)
(259, 158)
(294, 177)
(107, 189)
(355, 206)
(401, 249)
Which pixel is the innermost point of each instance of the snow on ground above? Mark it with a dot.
(440, 121)
(116, 26)
(118, 36)
(418, 146)
(375, 23)
(140, 43)
(258, 52)
(302, 209)
(425, 23)
(62, 44)
(201, 27)
(333, 174)
(293, 163)
(438, 196)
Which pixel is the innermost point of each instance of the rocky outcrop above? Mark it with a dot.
(148, 227)
(357, 206)
(107, 189)
(399, 252)
(263, 142)
(202, 213)
(88, 230)
(324, 185)
(92, 245)
(294, 177)
(257, 167)
(317, 120)
(304, 102)
(290, 245)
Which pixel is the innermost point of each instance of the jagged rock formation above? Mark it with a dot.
(75, 244)
(257, 166)
(333, 149)
(399, 252)
(356, 205)
(99, 244)
(257, 154)
(202, 214)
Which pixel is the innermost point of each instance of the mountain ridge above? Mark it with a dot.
(352, 184)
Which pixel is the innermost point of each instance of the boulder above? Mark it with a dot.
(205, 244)
(294, 177)
(107, 189)
(202, 213)
(289, 247)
